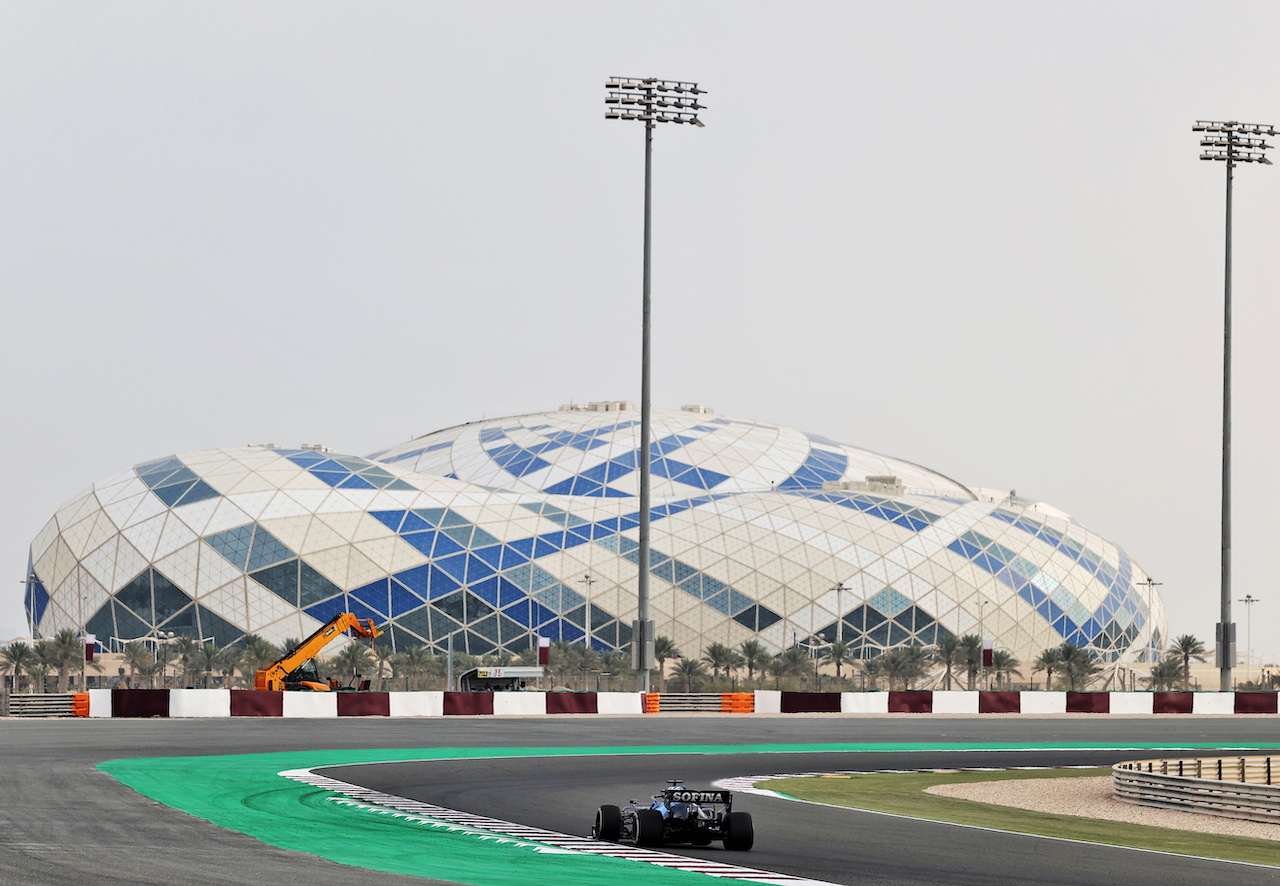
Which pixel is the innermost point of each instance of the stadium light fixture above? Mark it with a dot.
(1230, 142)
(651, 101)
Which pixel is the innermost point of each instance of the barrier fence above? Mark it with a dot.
(1229, 787)
(258, 703)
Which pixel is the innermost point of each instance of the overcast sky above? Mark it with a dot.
(976, 236)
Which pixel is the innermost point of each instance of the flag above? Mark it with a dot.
(988, 653)
(90, 641)
(544, 650)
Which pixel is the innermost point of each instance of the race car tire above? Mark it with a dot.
(608, 824)
(648, 827)
(739, 832)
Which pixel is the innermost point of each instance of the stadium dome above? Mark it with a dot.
(500, 531)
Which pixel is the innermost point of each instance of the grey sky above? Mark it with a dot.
(976, 236)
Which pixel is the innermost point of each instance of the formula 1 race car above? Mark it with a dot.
(677, 815)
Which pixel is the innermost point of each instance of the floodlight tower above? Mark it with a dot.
(651, 101)
(1231, 142)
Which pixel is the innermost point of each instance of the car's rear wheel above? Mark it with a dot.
(739, 832)
(608, 824)
(648, 827)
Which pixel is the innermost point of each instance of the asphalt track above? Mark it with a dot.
(61, 821)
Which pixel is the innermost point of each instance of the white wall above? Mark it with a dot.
(620, 702)
(519, 703)
(199, 702)
(1043, 702)
(955, 702)
(1131, 702)
(768, 701)
(310, 704)
(864, 702)
(99, 702)
(417, 704)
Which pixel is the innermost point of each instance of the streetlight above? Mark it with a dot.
(1233, 143)
(652, 101)
(1248, 600)
(839, 589)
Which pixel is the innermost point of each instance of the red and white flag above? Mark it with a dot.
(988, 653)
(544, 650)
(90, 642)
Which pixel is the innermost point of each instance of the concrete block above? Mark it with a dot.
(310, 704)
(417, 704)
(198, 703)
(864, 702)
(955, 702)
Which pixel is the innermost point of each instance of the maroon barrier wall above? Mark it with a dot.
(1256, 703)
(1171, 702)
(365, 704)
(257, 703)
(916, 701)
(139, 702)
(468, 703)
(999, 702)
(811, 702)
(1088, 702)
(571, 703)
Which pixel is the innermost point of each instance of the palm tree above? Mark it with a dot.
(778, 668)
(18, 657)
(717, 656)
(1049, 661)
(1164, 674)
(414, 662)
(754, 657)
(1186, 648)
(837, 653)
(353, 661)
(382, 657)
(1078, 664)
(906, 664)
(949, 654)
(206, 659)
(184, 647)
(797, 662)
(64, 647)
(137, 658)
(971, 657)
(872, 668)
(163, 655)
(45, 661)
(228, 661)
(1005, 665)
(689, 669)
(664, 648)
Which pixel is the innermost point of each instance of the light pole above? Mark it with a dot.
(652, 101)
(1233, 143)
(1248, 600)
(839, 589)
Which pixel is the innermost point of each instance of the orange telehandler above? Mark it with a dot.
(296, 669)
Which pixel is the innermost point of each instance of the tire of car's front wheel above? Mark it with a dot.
(739, 832)
(608, 824)
(648, 827)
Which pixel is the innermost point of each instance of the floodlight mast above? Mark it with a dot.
(1231, 142)
(651, 101)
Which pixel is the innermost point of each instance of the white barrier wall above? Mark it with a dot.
(768, 701)
(862, 702)
(99, 702)
(955, 702)
(199, 703)
(1132, 703)
(310, 704)
(1213, 703)
(417, 704)
(519, 703)
(1043, 702)
(624, 702)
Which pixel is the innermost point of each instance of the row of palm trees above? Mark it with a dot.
(36, 661)
(185, 661)
(900, 667)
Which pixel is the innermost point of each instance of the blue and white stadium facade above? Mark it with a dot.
(499, 531)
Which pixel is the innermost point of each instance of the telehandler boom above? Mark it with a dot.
(296, 669)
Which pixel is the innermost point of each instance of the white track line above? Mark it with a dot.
(553, 841)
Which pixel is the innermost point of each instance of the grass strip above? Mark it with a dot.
(904, 794)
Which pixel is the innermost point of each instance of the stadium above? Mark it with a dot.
(497, 532)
